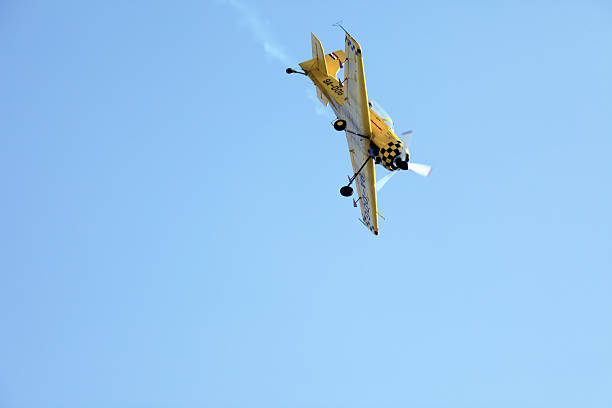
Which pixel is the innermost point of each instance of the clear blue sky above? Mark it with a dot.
(172, 233)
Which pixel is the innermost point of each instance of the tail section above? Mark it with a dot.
(322, 66)
(335, 61)
(322, 97)
(318, 56)
(326, 64)
(319, 63)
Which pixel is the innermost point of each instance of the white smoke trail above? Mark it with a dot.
(253, 20)
(320, 110)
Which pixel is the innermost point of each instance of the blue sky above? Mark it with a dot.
(172, 233)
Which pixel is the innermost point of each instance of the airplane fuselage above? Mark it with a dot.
(385, 147)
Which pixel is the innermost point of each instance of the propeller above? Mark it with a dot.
(420, 169)
(403, 159)
(406, 135)
(381, 183)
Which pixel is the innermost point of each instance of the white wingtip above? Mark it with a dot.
(420, 169)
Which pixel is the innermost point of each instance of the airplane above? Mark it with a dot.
(369, 130)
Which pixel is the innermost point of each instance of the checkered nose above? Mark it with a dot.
(391, 154)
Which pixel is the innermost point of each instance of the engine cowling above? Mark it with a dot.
(394, 156)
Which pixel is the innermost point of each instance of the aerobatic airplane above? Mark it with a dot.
(369, 130)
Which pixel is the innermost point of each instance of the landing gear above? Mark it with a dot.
(340, 125)
(293, 71)
(346, 191)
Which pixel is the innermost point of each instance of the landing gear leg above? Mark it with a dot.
(347, 190)
(293, 71)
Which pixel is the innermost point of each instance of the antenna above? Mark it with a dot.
(339, 24)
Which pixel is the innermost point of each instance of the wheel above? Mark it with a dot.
(289, 71)
(340, 125)
(346, 191)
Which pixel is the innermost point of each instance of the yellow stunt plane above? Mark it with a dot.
(369, 130)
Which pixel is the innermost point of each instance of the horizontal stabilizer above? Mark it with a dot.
(326, 64)
(334, 61)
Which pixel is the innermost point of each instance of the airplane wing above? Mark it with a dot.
(356, 96)
(355, 108)
(365, 181)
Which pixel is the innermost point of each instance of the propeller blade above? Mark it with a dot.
(420, 169)
(381, 183)
(406, 136)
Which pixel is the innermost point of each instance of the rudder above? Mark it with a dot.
(318, 56)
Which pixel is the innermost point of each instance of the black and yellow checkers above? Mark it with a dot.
(389, 152)
(382, 134)
(349, 101)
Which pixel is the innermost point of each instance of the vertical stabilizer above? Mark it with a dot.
(318, 56)
(319, 63)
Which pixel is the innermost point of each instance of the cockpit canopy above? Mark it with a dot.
(381, 112)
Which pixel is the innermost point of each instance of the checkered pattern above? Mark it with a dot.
(389, 153)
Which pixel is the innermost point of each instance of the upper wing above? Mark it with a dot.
(355, 108)
(356, 97)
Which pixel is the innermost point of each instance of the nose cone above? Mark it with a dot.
(402, 164)
(401, 159)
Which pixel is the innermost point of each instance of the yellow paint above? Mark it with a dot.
(322, 70)
(382, 135)
(359, 78)
(329, 86)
